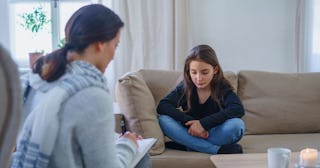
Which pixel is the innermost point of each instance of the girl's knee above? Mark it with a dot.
(164, 118)
(167, 121)
(235, 125)
(234, 129)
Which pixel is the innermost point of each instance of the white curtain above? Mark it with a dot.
(315, 56)
(156, 35)
(308, 33)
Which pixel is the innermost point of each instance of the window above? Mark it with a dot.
(47, 39)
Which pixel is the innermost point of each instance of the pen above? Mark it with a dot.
(123, 127)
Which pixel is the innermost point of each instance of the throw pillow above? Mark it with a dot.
(139, 109)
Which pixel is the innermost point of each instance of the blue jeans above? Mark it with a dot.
(229, 132)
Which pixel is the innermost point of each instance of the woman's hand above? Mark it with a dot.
(196, 129)
(132, 136)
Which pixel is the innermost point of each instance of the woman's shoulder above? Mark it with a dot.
(92, 100)
(93, 95)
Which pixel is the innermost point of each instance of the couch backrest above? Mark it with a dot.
(160, 82)
(277, 103)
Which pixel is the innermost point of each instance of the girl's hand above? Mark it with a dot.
(196, 129)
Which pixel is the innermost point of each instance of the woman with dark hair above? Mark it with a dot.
(70, 121)
(202, 113)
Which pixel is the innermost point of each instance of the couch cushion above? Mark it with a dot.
(277, 103)
(174, 158)
(295, 142)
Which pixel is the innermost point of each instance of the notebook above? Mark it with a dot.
(144, 147)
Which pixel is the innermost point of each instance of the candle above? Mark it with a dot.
(309, 157)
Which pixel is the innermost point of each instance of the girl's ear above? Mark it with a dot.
(215, 69)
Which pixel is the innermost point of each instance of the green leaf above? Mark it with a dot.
(35, 20)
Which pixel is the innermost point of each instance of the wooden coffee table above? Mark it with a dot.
(250, 160)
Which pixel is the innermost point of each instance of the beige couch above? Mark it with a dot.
(280, 110)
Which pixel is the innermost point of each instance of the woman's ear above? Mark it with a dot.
(99, 46)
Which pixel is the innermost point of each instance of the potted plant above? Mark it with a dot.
(62, 42)
(35, 22)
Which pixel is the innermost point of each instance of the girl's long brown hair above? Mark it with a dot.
(219, 85)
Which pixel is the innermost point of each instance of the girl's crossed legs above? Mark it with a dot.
(229, 132)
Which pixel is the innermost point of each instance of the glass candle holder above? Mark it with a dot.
(308, 158)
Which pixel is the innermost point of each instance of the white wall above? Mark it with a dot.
(248, 34)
